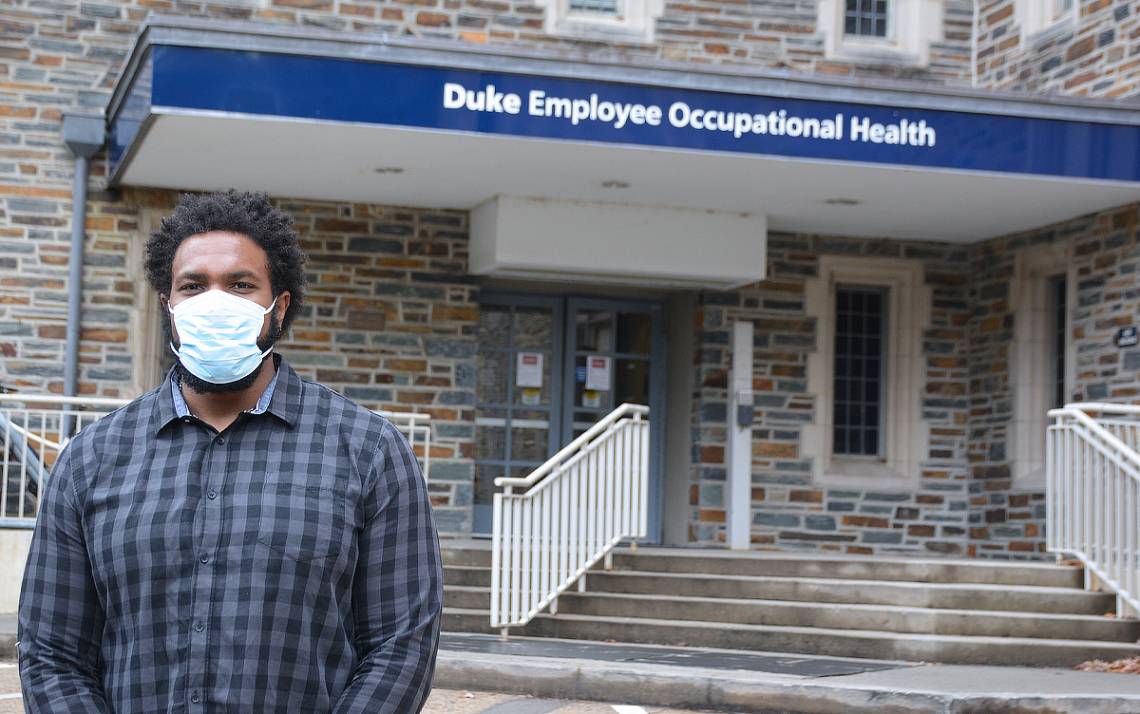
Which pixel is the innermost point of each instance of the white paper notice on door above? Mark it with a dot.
(598, 372)
(528, 370)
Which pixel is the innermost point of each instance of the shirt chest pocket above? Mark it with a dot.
(303, 523)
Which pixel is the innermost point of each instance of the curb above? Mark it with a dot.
(739, 691)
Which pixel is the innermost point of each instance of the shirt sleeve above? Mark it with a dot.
(61, 617)
(397, 598)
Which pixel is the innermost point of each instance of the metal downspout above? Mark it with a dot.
(83, 134)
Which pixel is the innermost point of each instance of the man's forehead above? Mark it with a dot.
(221, 250)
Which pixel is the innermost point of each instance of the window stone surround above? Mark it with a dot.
(1032, 352)
(914, 25)
(908, 313)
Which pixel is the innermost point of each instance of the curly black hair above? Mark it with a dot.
(250, 214)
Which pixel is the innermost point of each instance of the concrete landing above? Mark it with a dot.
(726, 680)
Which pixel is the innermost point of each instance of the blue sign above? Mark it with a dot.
(331, 89)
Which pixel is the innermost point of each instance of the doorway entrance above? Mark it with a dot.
(551, 367)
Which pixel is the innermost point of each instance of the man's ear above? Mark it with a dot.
(282, 305)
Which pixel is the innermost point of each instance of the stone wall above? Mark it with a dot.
(389, 319)
(391, 323)
(1098, 56)
(1006, 521)
(67, 55)
(789, 510)
(967, 502)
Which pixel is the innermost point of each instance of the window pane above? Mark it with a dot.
(1058, 310)
(595, 330)
(494, 326)
(870, 441)
(633, 333)
(866, 17)
(534, 327)
(858, 380)
(485, 475)
(493, 372)
(529, 444)
(490, 442)
(631, 381)
(608, 7)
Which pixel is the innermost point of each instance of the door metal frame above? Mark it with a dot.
(556, 305)
(657, 391)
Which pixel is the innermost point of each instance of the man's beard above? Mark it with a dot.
(192, 381)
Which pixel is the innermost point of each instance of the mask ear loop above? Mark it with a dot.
(266, 312)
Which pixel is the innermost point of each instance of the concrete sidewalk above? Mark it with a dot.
(734, 681)
(768, 682)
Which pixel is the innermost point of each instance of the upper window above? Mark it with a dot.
(880, 31)
(1062, 8)
(606, 20)
(866, 17)
(604, 7)
(1043, 19)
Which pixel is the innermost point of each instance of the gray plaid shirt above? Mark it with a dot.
(288, 564)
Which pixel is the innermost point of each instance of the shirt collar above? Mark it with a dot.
(285, 403)
(182, 409)
(282, 398)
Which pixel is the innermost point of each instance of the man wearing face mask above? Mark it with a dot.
(239, 539)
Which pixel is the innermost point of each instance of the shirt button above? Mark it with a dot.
(204, 558)
(199, 626)
(211, 494)
(186, 420)
(220, 440)
(195, 698)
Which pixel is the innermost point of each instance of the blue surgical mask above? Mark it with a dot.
(217, 334)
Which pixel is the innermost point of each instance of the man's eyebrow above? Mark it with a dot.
(198, 277)
(203, 277)
(240, 274)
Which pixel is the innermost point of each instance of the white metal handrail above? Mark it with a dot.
(35, 428)
(577, 507)
(1092, 493)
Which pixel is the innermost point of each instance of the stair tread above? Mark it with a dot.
(1002, 587)
(791, 629)
(706, 553)
(1045, 589)
(484, 546)
(806, 604)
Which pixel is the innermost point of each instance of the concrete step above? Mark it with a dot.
(469, 575)
(467, 554)
(467, 597)
(466, 619)
(946, 649)
(711, 561)
(918, 570)
(872, 592)
(890, 618)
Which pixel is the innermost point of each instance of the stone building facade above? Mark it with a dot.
(392, 315)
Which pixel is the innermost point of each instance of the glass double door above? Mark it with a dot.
(551, 367)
